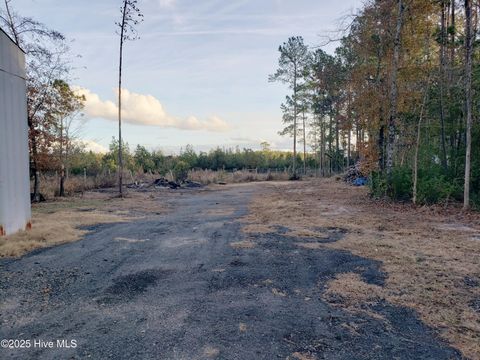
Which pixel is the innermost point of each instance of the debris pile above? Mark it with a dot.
(164, 183)
(354, 176)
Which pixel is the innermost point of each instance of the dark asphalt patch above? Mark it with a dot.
(331, 234)
(471, 282)
(237, 262)
(280, 246)
(475, 304)
(127, 287)
(281, 229)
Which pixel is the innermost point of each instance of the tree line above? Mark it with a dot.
(399, 96)
(142, 160)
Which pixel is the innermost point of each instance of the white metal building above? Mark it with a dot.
(15, 209)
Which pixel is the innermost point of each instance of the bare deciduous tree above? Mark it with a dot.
(46, 51)
(66, 107)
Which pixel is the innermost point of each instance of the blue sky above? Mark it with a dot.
(199, 72)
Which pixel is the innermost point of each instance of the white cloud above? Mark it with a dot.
(141, 109)
(243, 140)
(213, 123)
(93, 146)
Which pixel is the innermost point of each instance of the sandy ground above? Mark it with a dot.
(431, 255)
(303, 270)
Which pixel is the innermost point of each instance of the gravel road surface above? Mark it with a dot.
(172, 287)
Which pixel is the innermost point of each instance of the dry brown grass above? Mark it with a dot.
(431, 255)
(244, 244)
(222, 211)
(301, 356)
(77, 184)
(207, 177)
(278, 292)
(255, 227)
(74, 184)
(50, 229)
(353, 290)
(351, 293)
(58, 222)
(211, 352)
(130, 240)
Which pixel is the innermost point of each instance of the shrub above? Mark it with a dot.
(180, 170)
(435, 188)
(378, 184)
(402, 183)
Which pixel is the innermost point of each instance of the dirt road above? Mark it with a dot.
(190, 285)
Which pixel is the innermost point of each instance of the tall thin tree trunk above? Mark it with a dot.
(330, 145)
(304, 144)
(12, 26)
(381, 147)
(322, 147)
(381, 130)
(62, 181)
(317, 148)
(452, 40)
(442, 87)
(337, 141)
(358, 144)
(468, 94)
(36, 186)
(455, 133)
(392, 121)
(349, 147)
(349, 129)
(36, 174)
(417, 145)
(120, 155)
(61, 191)
(67, 154)
(295, 124)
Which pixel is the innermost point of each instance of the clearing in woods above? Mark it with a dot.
(304, 270)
